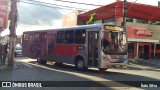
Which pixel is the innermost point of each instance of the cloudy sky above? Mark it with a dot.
(34, 15)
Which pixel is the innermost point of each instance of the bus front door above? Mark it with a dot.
(93, 48)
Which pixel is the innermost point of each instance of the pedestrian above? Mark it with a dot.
(1, 52)
(1, 57)
(5, 52)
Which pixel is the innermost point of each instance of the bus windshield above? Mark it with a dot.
(114, 42)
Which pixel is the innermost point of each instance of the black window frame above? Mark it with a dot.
(79, 39)
(60, 38)
(69, 39)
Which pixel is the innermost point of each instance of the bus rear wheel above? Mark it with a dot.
(102, 69)
(40, 61)
(79, 64)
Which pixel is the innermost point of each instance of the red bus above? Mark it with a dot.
(97, 45)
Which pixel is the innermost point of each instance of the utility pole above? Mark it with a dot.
(124, 12)
(12, 28)
(116, 12)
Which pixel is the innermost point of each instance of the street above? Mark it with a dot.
(29, 70)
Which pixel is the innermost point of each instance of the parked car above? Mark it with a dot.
(18, 51)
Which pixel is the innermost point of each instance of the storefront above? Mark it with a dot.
(140, 43)
(142, 29)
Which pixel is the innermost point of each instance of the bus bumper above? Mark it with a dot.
(107, 64)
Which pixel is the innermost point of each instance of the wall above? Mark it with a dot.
(70, 19)
(154, 28)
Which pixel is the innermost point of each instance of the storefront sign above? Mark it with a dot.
(144, 32)
(3, 14)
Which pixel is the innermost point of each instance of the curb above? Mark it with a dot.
(157, 63)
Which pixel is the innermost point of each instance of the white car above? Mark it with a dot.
(18, 51)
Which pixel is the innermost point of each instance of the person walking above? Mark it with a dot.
(5, 52)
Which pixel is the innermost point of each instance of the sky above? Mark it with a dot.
(36, 17)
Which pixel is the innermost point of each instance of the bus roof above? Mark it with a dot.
(72, 27)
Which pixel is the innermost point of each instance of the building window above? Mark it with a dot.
(129, 19)
(108, 20)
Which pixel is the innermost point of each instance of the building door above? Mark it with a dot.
(93, 48)
(144, 51)
(141, 52)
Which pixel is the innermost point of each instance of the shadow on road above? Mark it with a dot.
(108, 75)
(49, 72)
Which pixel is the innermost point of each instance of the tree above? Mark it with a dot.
(92, 19)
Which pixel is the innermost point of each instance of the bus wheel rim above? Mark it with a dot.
(80, 64)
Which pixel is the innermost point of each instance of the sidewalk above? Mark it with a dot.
(3, 66)
(153, 62)
(145, 65)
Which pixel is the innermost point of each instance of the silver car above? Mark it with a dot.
(18, 51)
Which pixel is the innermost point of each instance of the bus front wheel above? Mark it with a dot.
(102, 69)
(40, 61)
(79, 64)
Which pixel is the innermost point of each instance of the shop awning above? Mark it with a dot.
(142, 40)
(134, 10)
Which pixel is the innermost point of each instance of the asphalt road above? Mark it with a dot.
(29, 70)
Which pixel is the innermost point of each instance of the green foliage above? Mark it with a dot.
(92, 19)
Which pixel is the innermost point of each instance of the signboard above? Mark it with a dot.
(144, 32)
(3, 14)
(114, 28)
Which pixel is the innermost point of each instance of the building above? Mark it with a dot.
(142, 23)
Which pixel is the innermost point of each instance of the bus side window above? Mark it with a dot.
(31, 39)
(43, 37)
(69, 36)
(60, 37)
(80, 36)
(25, 36)
(36, 37)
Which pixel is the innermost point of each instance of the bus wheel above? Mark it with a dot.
(58, 64)
(79, 64)
(40, 61)
(102, 69)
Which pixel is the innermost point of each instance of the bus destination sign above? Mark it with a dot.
(114, 28)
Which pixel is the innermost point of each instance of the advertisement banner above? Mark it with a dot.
(3, 14)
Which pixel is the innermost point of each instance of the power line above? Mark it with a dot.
(67, 2)
(52, 5)
(77, 3)
(132, 5)
(56, 5)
